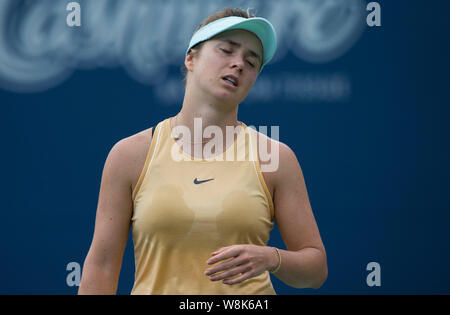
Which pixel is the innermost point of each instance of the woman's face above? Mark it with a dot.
(226, 66)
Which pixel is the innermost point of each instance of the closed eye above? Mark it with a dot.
(229, 52)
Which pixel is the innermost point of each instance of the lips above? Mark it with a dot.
(233, 80)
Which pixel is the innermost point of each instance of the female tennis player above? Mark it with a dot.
(201, 223)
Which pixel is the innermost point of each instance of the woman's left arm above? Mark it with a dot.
(304, 263)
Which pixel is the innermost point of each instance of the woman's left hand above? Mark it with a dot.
(247, 260)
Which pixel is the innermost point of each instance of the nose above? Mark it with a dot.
(238, 63)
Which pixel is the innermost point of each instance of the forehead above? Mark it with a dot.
(242, 37)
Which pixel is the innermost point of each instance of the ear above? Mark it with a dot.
(189, 61)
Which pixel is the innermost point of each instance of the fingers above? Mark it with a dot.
(223, 266)
(224, 253)
(229, 273)
(220, 250)
(235, 265)
(228, 264)
(239, 279)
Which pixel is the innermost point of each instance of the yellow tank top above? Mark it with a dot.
(185, 210)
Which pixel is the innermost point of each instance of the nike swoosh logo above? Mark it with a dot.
(196, 181)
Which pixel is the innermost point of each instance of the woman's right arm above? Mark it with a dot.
(102, 266)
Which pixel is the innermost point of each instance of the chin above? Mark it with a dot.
(226, 97)
(229, 97)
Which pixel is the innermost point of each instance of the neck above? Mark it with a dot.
(211, 111)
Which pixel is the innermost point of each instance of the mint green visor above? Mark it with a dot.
(261, 27)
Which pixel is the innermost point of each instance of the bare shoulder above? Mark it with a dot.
(275, 156)
(277, 160)
(127, 156)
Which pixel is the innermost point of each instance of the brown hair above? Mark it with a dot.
(226, 12)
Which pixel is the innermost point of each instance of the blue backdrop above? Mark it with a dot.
(364, 108)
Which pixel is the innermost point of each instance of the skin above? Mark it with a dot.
(207, 96)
